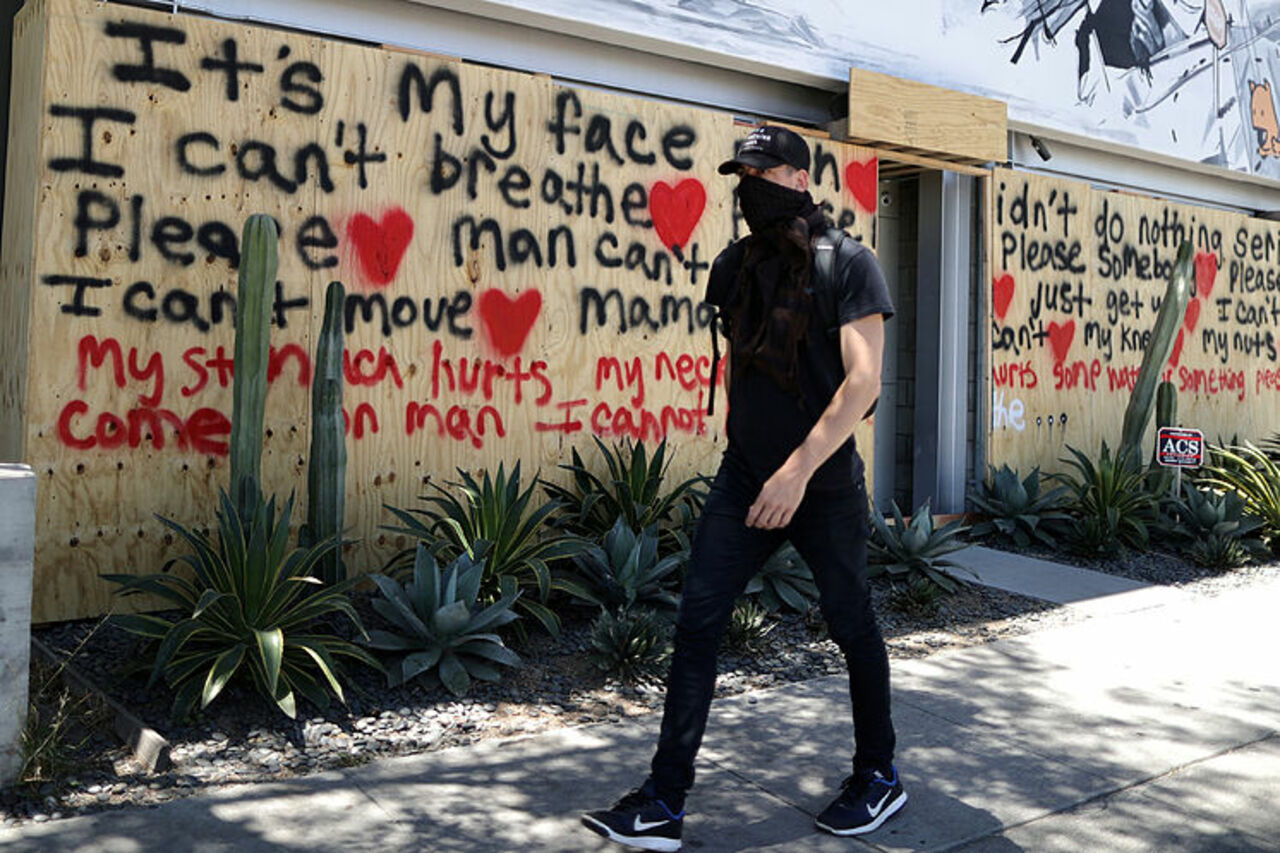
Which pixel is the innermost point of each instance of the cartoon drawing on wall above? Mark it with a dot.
(1196, 70)
(1263, 110)
(1120, 33)
(1115, 34)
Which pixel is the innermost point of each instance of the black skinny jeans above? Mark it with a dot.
(830, 532)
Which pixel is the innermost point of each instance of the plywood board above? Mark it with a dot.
(18, 247)
(896, 111)
(525, 265)
(1078, 276)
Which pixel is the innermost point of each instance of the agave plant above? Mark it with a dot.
(1220, 552)
(749, 627)
(630, 645)
(1207, 512)
(1168, 526)
(1247, 471)
(444, 636)
(1110, 502)
(625, 570)
(248, 610)
(494, 510)
(915, 548)
(918, 596)
(1017, 510)
(784, 581)
(1270, 446)
(632, 489)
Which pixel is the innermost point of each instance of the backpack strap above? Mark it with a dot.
(825, 249)
(715, 363)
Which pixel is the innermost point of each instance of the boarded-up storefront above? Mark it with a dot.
(1078, 275)
(525, 264)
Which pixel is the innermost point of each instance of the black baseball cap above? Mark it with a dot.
(769, 146)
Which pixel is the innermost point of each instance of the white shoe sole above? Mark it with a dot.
(665, 845)
(889, 812)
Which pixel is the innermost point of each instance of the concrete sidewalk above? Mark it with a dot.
(1086, 592)
(1149, 726)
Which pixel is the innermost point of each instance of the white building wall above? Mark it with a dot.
(789, 60)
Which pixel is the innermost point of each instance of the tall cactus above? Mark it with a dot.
(254, 294)
(1176, 295)
(327, 468)
(1166, 405)
(1159, 478)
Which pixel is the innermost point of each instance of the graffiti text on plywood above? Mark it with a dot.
(1078, 279)
(515, 183)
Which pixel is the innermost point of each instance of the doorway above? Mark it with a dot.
(928, 443)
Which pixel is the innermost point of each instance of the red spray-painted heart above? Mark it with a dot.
(507, 322)
(676, 210)
(1002, 294)
(1206, 272)
(1176, 355)
(862, 179)
(1192, 316)
(1060, 338)
(380, 245)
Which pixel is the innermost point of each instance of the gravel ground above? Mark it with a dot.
(238, 740)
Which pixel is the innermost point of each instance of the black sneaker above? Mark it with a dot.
(639, 820)
(865, 803)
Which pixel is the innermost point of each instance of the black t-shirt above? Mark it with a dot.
(767, 421)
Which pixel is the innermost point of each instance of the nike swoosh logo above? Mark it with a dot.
(642, 826)
(875, 812)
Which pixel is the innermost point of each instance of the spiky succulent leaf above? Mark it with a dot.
(626, 570)
(492, 516)
(453, 674)
(1254, 477)
(630, 645)
(915, 548)
(1220, 552)
(1018, 510)
(784, 581)
(246, 605)
(632, 487)
(1110, 503)
(749, 627)
(451, 647)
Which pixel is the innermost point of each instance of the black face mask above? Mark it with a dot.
(765, 203)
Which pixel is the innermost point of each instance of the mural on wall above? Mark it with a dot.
(524, 263)
(1200, 71)
(1192, 79)
(1078, 277)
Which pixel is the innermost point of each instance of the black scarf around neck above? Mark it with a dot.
(771, 303)
(765, 203)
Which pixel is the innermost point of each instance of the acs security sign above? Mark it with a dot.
(1178, 447)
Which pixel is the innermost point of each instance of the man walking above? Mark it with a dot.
(803, 308)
